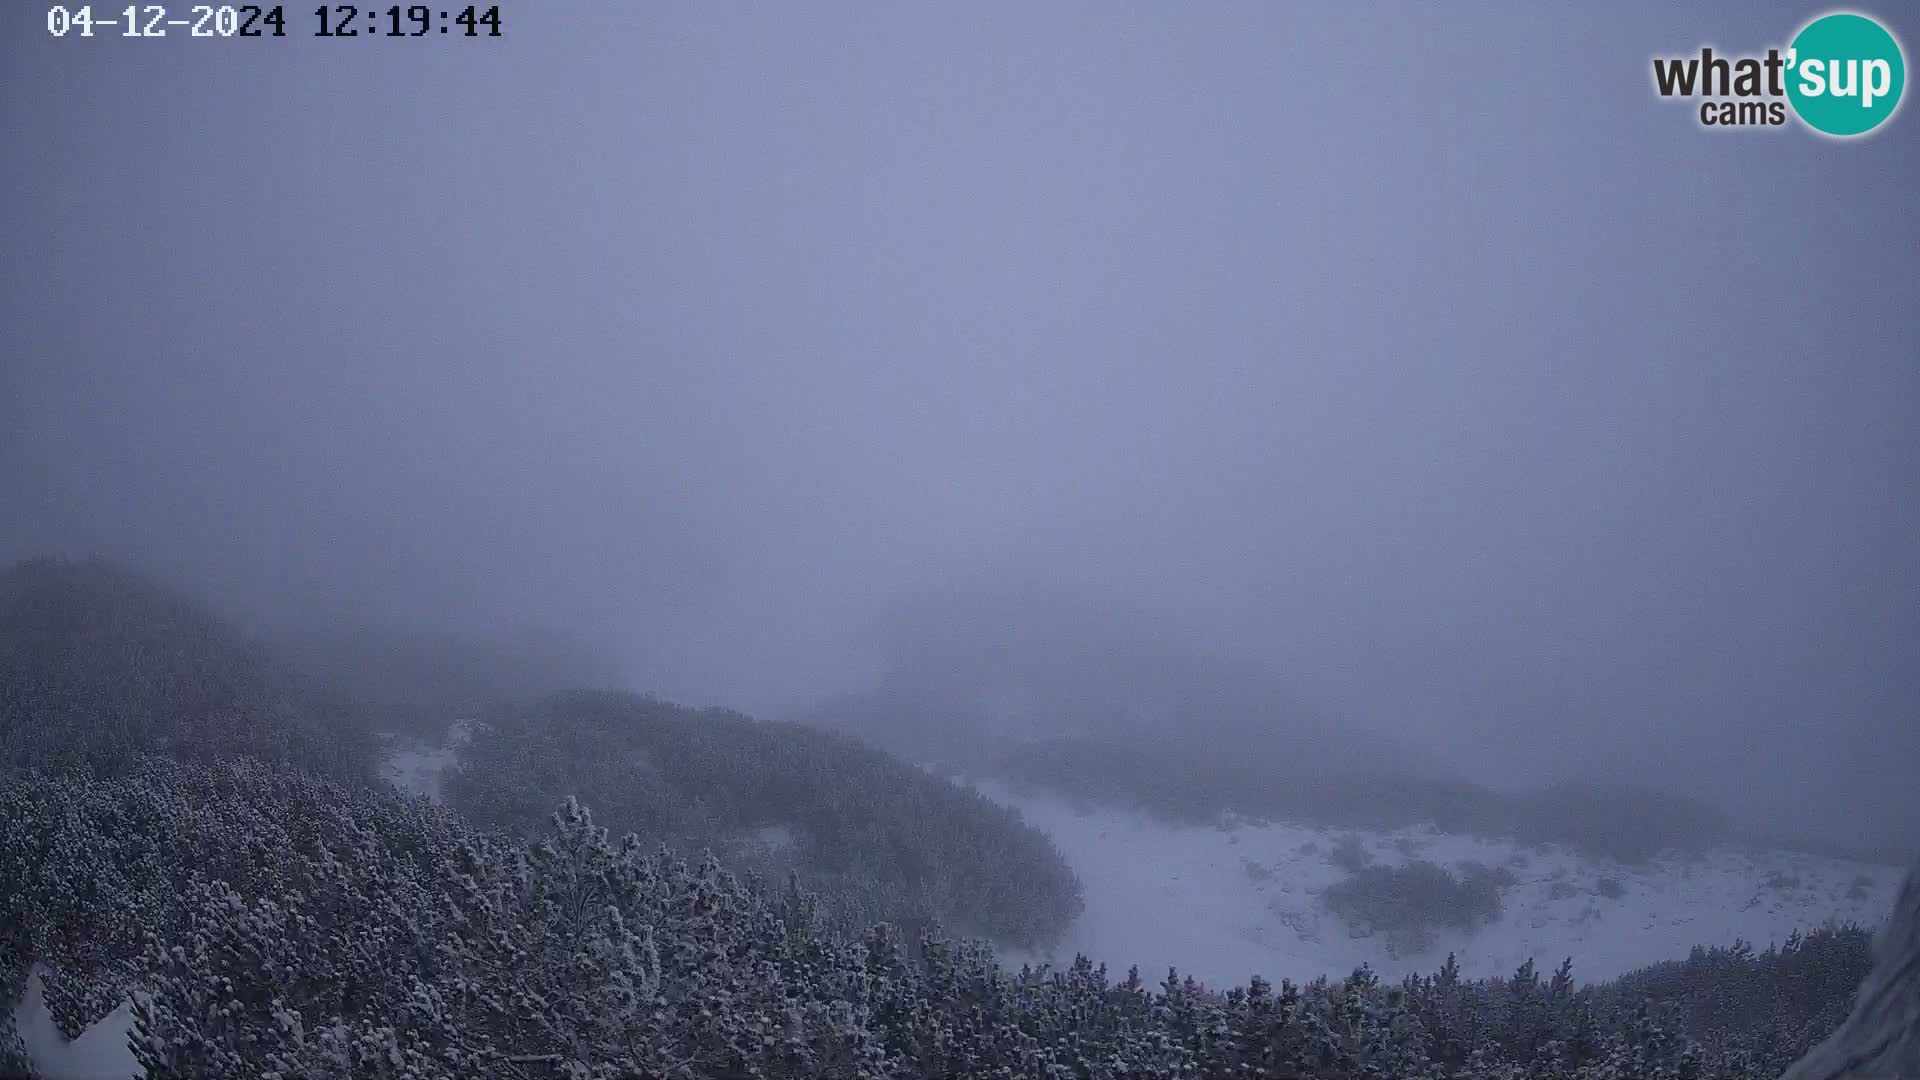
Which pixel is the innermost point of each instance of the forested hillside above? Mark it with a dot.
(882, 839)
(184, 827)
(98, 663)
(283, 925)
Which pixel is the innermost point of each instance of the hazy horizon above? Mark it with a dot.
(1431, 368)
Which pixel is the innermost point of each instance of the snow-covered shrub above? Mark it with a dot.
(1409, 904)
(94, 871)
(1350, 853)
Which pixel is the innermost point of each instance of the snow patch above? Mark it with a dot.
(417, 767)
(777, 837)
(100, 1053)
(462, 732)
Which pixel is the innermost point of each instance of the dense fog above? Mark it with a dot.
(1422, 385)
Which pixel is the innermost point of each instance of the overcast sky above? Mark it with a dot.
(1428, 360)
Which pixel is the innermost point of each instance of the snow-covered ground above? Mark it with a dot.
(100, 1053)
(1225, 903)
(416, 767)
(1228, 902)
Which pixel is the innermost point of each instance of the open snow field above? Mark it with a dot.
(1225, 903)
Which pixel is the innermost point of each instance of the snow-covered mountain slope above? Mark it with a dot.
(1225, 903)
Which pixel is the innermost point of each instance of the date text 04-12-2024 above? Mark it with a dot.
(254, 20)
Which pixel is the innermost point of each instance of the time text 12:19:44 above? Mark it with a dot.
(415, 20)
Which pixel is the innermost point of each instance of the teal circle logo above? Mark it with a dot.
(1844, 74)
